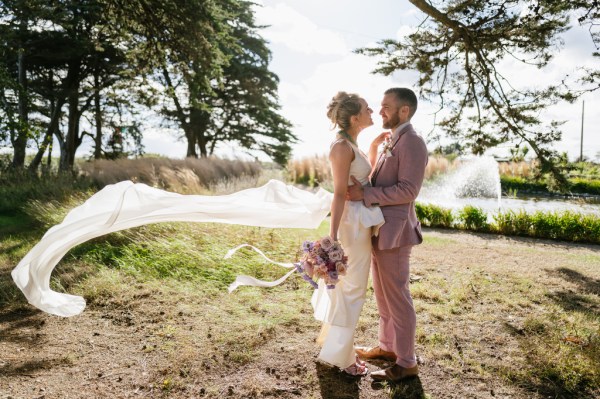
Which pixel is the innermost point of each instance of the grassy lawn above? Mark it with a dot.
(497, 317)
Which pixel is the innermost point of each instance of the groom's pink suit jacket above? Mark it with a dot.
(397, 180)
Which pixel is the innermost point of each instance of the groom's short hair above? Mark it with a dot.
(405, 97)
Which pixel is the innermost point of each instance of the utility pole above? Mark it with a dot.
(581, 142)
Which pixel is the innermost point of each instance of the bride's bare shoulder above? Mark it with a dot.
(341, 148)
(340, 143)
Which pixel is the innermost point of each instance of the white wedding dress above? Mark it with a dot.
(125, 205)
(340, 308)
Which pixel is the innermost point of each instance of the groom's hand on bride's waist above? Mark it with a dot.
(355, 192)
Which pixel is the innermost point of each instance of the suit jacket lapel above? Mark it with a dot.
(381, 159)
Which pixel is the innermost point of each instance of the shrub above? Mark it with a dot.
(434, 216)
(512, 223)
(520, 184)
(585, 186)
(567, 226)
(473, 218)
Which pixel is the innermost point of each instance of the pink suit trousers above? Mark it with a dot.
(397, 319)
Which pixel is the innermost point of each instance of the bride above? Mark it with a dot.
(353, 224)
(125, 205)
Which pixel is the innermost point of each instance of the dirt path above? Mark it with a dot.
(156, 345)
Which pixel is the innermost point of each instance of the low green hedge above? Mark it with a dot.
(576, 185)
(565, 226)
(585, 186)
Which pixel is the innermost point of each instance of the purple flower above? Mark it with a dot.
(307, 246)
(333, 275)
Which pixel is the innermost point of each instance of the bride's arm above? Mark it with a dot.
(340, 156)
(373, 149)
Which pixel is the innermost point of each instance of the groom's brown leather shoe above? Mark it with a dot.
(375, 353)
(395, 373)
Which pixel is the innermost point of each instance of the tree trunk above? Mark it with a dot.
(49, 162)
(40, 154)
(199, 120)
(20, 142)
(191, 143)
(203, 150)
(98, 112)
(71, 141)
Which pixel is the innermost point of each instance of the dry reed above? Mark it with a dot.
(516, 169)
(439, 165)
(311, 171)
(315, 171)
(184, 176)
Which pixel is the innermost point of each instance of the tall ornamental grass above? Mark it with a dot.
(310, 171)
(521, 169)
(186, 176)
(315, 171)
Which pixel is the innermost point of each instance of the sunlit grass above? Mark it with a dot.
(532, 327)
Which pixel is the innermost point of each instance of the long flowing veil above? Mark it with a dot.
(125, 205)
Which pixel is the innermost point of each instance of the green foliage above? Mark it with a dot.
(567, 226)
(584, 186)
(456, 49)
(512, 223)
(434, 216)
(234, 101)
(473, 218)
(201, 64)
(574, 185)
(520, 184)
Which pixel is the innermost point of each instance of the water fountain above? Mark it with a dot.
(476, 177)
(476, 182)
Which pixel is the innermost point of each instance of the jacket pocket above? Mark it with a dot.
(390, 233)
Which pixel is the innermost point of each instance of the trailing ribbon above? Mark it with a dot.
(254, 282)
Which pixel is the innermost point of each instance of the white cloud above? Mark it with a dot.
(164, 142)
(304, 103)
(294, 30)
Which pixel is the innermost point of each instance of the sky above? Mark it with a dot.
(312, 43)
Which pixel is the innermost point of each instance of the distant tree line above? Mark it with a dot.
(198, 66)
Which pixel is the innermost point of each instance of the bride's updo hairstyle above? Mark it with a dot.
(342, 107)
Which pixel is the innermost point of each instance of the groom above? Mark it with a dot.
(396, 180)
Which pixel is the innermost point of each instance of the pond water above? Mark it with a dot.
(477, 182)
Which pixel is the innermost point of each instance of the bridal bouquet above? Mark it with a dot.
(324, 259)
